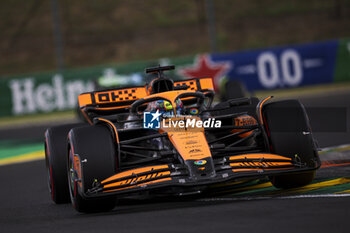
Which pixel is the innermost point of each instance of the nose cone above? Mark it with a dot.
(201, 169)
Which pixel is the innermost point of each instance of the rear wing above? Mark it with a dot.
(111, 98)
(119, 100)
(200, 84)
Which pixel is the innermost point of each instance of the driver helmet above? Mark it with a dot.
(166, 108)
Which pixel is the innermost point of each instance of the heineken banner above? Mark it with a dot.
(280, 67)
(48, 92)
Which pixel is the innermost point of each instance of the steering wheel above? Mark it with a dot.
(134, 110)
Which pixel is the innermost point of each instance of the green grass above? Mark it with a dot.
(17, 149)
(37, 118)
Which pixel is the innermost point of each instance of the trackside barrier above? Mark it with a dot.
(272, 68)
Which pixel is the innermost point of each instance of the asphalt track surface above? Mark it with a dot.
(25, 205)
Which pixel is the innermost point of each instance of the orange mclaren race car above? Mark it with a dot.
(165, 138)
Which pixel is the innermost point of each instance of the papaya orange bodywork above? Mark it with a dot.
(191, 143)
(259, 169)
(244, 120)
(127, 94)
(84, 99)
(137, 179)
(258, 156)
(113, 126)
(135, 93)
(138, 185)
(135, 171)
(77, 168)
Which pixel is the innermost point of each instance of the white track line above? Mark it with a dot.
(270, 197)
(334, 147)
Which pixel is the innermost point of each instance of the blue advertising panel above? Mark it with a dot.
(282, 67)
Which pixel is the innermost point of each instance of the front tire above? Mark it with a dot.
(93, 147)
(289, 134)
(293, 180)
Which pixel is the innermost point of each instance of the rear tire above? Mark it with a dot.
(95, 146)
(55, 158)
(289, 134)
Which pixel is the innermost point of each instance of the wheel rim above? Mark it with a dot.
(71, 175)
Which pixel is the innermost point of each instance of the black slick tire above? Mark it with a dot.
(289, 134)
(56, 161)
(94, 147)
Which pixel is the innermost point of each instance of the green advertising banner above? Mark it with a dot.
(49, 92)
(342, 71)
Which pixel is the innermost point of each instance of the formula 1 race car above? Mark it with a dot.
(165, 138)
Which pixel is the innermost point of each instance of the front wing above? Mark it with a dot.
(227, 169)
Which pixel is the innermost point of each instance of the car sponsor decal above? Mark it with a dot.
(200, 162)
(133, 181)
